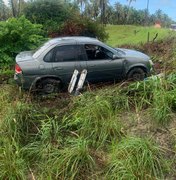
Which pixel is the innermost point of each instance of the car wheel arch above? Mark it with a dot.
(40, 79)
(137, 73)
(134, 67)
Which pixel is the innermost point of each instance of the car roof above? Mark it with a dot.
(69, 39)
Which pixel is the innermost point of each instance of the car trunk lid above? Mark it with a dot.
(24, 56)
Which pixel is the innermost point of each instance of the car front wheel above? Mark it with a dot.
(136, 74)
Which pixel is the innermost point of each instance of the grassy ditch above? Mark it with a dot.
(111, 133)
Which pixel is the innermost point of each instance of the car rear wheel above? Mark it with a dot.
(49, 86)
(136, 74)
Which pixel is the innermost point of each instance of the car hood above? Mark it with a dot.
(131, 54)
(24, 56)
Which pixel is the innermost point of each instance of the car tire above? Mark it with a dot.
(136, 74)
(49, 86)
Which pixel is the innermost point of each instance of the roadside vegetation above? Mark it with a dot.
(118, 131)
(122, 131)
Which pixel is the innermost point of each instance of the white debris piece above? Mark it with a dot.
(81, 80)
(73, 81)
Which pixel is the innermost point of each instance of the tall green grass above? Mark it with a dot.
(21, 122)
(12, 163)
(97, 121)
(73, 161)
(6, 97)
(64, 146)
(155, 94)
(48, 137)
(135, 158)
(161, 109)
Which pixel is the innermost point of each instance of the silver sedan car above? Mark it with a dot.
(50, 67)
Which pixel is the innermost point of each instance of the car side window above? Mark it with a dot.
(95, 52)
(66, 53)
(48, 57)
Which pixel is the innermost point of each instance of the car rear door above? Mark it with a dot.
(65, 60)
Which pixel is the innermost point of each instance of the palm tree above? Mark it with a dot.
(119, 13)
(129, 4)
(82, 4)
(2, 10)
(130, 1)
(16, 7)
(147, 13)
(12, 4)
(102, 4)
(95, 8)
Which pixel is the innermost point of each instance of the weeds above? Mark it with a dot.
(161, 110)
(54, 145)
(21, 122)
(155, 94)
(72, 162)
(12, 165)
(48, 137)
(5, 98)
(97, 121)
(135, 158)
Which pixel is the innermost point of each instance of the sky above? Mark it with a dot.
(167, 6)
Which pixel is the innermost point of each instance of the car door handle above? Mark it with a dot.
(58, 68)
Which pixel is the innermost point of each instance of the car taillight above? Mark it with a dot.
(18, 69)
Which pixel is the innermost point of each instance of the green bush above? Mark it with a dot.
(50, 13)
(18, 34)
(63, 19)
(81, 26)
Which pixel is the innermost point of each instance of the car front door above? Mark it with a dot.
(100, 64)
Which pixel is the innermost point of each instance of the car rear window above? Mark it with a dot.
(41, 49)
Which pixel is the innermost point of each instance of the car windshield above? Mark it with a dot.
(41, 49)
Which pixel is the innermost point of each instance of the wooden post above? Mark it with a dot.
(148, 36)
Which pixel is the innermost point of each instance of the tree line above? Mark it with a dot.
(117, 13)
(98, 10)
